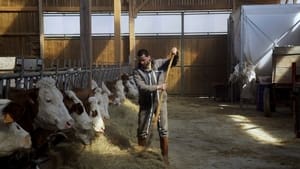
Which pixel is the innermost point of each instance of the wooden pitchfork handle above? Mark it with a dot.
(160, 96)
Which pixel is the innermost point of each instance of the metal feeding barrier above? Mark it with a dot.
(17, 72)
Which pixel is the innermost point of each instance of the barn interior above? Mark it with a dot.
(232, 97)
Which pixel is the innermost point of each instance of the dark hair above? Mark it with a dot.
(142, 52)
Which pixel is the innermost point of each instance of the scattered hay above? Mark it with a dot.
(116, 149)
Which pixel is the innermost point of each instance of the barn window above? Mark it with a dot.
(158, 23)
(60, 24)
(206, 22)
(146, 23)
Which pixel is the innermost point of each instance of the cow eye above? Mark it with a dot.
(99, 103)
(18, 127)
(48, 100)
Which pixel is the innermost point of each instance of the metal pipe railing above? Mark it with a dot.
(65, 79)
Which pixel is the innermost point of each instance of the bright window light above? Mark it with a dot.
(60, 24)
(66, 24)
(202, 23)
(158, 24)
(255, 131)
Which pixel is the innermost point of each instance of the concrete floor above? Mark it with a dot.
(205, 134)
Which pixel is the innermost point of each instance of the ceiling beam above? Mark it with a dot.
(138, 8)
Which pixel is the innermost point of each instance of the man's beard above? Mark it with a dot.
(147, 66)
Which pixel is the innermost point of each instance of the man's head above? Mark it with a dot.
(144, 59)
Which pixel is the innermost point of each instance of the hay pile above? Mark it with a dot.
(115, 149)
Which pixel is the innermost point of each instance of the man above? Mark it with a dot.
(150, 79)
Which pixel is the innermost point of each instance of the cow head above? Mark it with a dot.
(12, 135)
(94, 110)
(77, 111)
(116, 92)
(52, 112)
(103, 102)
(120, 91)
(131, 88)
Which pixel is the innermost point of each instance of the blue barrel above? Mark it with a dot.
(260, 96)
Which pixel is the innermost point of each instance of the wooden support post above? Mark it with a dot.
(85, 37)
(117, 37)
(132, 16)
(295, 101)
(41, 28)
(233, 5)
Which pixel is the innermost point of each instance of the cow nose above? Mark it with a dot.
(70, 123)
(27, 141)
(94, 113)
(101, 131)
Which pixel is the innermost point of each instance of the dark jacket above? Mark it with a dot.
(147, 81)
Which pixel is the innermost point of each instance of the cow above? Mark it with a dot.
(93, 106)
(13, 137)
(77, 111)
(83, 123)
(116, 87)
(43, 114)
(43, 105)
(15, 146)
(130, 88)
(95, 114)
(102, 95)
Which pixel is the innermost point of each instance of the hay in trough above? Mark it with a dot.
(115, 149)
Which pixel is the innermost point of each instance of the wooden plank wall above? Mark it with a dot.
(282, 60)
(152, 5)
(66, 51)
(205, 64)
(205, 58)
(19, 28)
(18, 4)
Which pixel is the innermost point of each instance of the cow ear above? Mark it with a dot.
(94, 90)
(33, 94)
(31, 101)
(7, 118)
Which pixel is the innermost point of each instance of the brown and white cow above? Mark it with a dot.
(44, 107)
(12, 136)
(102, 95)
(93, 107)
(44, 112)
(83, 123)
(77, 111)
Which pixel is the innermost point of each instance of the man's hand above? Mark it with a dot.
(162, 86)
(174, 51)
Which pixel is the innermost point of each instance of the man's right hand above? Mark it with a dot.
(162, 86)
(174, 51)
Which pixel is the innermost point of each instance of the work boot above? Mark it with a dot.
(141, 141)
(164, 149)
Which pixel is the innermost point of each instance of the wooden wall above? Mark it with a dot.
(19, 28)
(145, 5)
(153, 5)
(66, 51)
(19, 31)
(203, 63)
